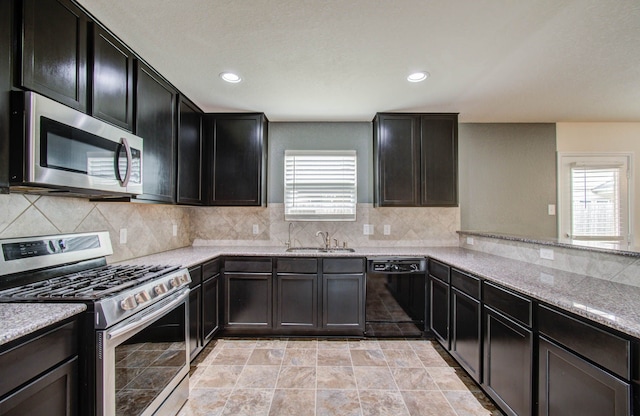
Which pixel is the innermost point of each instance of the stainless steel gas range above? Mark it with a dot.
(134, 356)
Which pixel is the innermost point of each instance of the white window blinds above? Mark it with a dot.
(598, 202)
(320, 185)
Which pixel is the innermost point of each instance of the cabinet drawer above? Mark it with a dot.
(439, 270)
(24, 362)
(509, 303)
(343, 265)
(466, 283)
(210, 269)
(196, 276)
(248, 265)
(604, 348)
(287, 265)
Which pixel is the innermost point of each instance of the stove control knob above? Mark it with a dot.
(160, 289)
(128, 303)
(143, 297)
(175, 281)
(184, 278)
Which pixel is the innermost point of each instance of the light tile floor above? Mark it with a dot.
(331, 377)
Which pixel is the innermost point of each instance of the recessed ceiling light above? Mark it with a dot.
(230, 77)
(418, 76)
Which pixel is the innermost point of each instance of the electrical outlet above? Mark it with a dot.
(367, 229)
(387, 229)
(123, 236)
(175, 230)
(546, 253)
(551, 209)
(546, 278)
(470, 241)
(256, 229)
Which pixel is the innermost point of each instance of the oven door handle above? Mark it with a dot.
(147, 318)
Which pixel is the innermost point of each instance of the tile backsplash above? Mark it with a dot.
(150, 226)
(406, 226)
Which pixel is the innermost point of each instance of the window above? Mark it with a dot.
(320, 185)
(594, 197)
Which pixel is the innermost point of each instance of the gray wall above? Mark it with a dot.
(508, 178)
(320, 136)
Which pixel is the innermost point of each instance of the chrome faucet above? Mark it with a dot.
(325, 239)
(289, 244)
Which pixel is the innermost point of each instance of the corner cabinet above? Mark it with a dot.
(54, 51)
(237, 152)
(155, 122)
(416, 159)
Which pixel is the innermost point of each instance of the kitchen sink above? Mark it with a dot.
(312, 250)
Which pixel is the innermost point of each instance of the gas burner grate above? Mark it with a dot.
(89, 284)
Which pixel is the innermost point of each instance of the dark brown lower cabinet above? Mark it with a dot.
(53, 393)
(40, 374)
(248, 302)
(297, 305)
(195, 321)
(508, 359)
(466, 335)
(439, 310)
(343, 294)
(570, 385)
(210, 305)
(343, 301)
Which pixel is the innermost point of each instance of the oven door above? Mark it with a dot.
(143, 362)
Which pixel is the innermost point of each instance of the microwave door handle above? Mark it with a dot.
(123, 182)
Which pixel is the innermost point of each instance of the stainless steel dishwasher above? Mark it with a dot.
(396, 297)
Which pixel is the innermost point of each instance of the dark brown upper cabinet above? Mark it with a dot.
(155, 122)
(54, 51)
(190, 166)
(112, 79)
(238, 152)
(416, 159)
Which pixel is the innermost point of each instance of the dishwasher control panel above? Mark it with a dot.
(397, 265)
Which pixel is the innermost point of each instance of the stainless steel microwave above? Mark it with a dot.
(56, 148)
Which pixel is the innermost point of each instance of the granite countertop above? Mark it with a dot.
(20, 319)
(615, 305)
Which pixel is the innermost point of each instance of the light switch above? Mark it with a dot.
(175, 230)
(552, 209)
(123, 236)
(470, 241)
(387, 229)
(546, 253)
(256, 229)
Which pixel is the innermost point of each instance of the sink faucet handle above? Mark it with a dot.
(335, 242)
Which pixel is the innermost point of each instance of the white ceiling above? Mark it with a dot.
(345, 60)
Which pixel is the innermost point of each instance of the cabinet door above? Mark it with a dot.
(508, 349)
(239, 145)
(210, 322)
(397, 164)
(54, 51)
(343, 301)
(569, 385)
(297, 300)
(112, 86)
(53, 393)
(439, 310)
(195, 331)
(439, 171)
(190, 172)
(248, 300)
(155, 123)
(466, 336)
